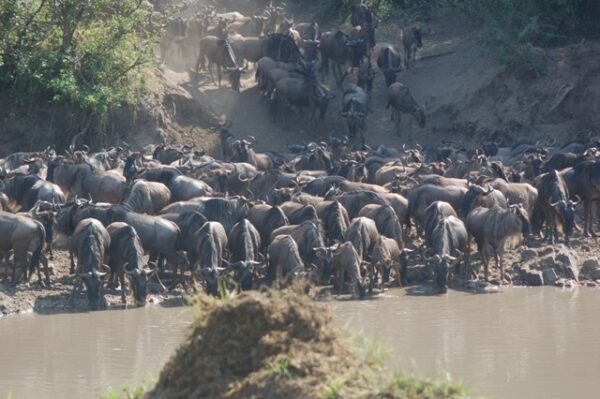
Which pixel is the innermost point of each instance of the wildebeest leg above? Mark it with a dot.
(72, 269)
(123, 287)
(587, 211)
(398, 120)
(498, 258)
(219, 74)
(44, 261)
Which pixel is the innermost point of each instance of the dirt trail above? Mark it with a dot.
(467, 93)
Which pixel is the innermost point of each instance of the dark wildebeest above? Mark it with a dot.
(306, 92)
(362, 15)
(423, 196)
(227, 211)
(337, 48)
(448, 241)
(335, 220)
(583, 180)
(244, 241)
(211, 245)
(344, 259)
(554, 204)
(354, 201)
(354, 109)
(434, 214)
(125, 258)
(267, 219)
(26, 191)
(285, 262)
(90, 243)
(23, 235)
(516, 193)
(390, 63)
(308, 236)
(385, 219)
(299, 213)
(402, 102)
(182, 187)
(477, 196)
(188, 224)
(147, 197)
(495, 229)
(363, 235)
(365, 76)
(411, 39)
(80, 179)
(169, 154)
(218, 51)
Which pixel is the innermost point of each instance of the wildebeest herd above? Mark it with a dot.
(332, 212)
(288, 57)
(320, 212)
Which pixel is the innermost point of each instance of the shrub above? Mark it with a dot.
(85, 53)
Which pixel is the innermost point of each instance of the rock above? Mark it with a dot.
(590, 269)
(591, 284)
(547, 262)
(534, 278)
(571, 273)
(550, 276)
(565, 259)
(545, 251)
(560, 282)
(528, 254)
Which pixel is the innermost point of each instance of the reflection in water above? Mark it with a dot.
(83, 355)
(519, 343)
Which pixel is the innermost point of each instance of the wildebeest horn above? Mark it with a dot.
(243, 180)
(577, 200)
(555, 204)
(489, 191)
(252, 140)
(85, 148)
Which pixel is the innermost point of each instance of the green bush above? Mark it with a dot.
(86, 53)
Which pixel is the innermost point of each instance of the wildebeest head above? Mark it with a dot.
(566, 210)
(245, 272)
(139, 281)
(473, 195)
(211, 277)
(93, 281)
(235, 76)
(441, 268)
(521, 213)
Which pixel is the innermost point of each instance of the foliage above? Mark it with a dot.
(86, 53)
(137, 392)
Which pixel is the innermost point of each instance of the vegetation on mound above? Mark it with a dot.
(89, 55)
(281, 345)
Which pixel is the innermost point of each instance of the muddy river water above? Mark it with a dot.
(519, 343)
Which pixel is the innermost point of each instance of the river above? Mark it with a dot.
(519, 343)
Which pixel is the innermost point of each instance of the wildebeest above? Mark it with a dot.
(387, 255)
(354, 201)
(218, 52)
(402, 102)
(80, 179)
(390, 63)
(477, 196)
(23, 235)
(340, 50)
(26, 191)
(495, 229)
(344, 259)
(363, 235)
(411, 40)
(434, 214)
(448, 241)
(362, 15)
(244, 241)
(421, 197)
(335, 220)
(555, 205)
(583, 180)
(125, 258)
(211, 247)
(308, 236)
(285, 262)
(267, 219)
(385, 219)
(147, 197)
(354, 109)
(90, 243)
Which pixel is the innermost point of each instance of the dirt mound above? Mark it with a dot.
(258, 345)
